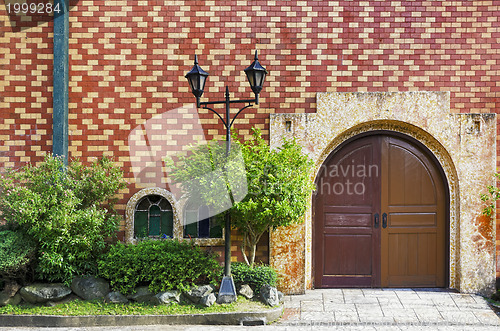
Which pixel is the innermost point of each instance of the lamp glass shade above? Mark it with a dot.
(256, 75)
(197, 78)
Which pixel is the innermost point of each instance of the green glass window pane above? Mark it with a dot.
(143, 204)
(216, 231)
(167, 223)
(191, 224)
(154, 221)
(165, 205)
(141, 224)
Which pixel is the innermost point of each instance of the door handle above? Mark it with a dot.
(377, 221)
(384, 220)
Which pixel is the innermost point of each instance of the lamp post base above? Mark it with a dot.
(227, 292)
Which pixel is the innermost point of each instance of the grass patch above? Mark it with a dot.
(98, 307)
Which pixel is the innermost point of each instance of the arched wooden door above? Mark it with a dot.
(380, 216)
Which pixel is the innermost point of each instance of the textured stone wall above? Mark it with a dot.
(464, 145)
(128, 60)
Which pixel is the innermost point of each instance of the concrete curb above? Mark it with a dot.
(238, 318)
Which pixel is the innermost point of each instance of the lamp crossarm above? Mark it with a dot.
(216, 113)
(234, 118)
(224, 102)
(228, 124)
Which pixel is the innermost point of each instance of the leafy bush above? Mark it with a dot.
(17, 253)
(161, 264)
(256, 277)
(62, 210)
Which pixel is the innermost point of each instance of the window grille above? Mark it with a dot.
(153, 217)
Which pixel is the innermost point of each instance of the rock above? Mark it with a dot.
(281, 297)
(41, 293)
(142, 294)
(9, 295)
(269, 295)
(197, 292)
(246, 291)
(115, 297)
(208, 300)
(11, 288)
(90, 288)
(165, 298)
(5, 299)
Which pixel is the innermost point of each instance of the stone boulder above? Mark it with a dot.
(142, 294)
(165, 298)
(11, 288)
(269, 295)
(41, 293)
(196, 293)
(208, 300)
(6, 299)
(90, 288)
(246, 291)
(115, 297)
(9, 295)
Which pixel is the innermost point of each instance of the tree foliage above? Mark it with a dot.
(269, 187)
(63, 211)
(279, 186)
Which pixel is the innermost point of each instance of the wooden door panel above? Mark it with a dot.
(413, 250)
(346, 246)
(348, 220)
(351, 258)
(412, 220)
(410, 181)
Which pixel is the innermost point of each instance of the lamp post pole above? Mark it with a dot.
(256, 75)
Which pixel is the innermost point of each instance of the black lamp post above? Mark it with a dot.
(197, 77)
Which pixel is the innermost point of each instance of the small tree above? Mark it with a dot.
(274, 193)
(279, 186)
(63, 211)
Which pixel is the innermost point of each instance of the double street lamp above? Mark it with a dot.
(197, 77)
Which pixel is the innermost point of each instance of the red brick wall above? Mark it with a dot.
(128, 60)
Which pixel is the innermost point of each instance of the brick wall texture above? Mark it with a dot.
(128, 96)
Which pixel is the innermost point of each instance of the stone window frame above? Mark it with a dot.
(178, 209)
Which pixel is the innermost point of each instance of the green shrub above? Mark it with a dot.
(256, 277)
(161, 264)
(62, 209)
(17, 253)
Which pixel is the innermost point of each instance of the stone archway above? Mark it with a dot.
(464, 145)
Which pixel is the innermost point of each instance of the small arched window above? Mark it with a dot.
(199, 224)
(153, 217)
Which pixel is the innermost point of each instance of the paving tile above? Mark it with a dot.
(346, 316)
(345, 307)
(388, 302)
(369, 309)
(429, 315)
(361, 299)
(311, 306)
(367, 319)
(460, 317)
(317, 316)
(397, 312)
(487, 317)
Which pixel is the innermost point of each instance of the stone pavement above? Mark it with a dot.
(389, 308)
(361, 309)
